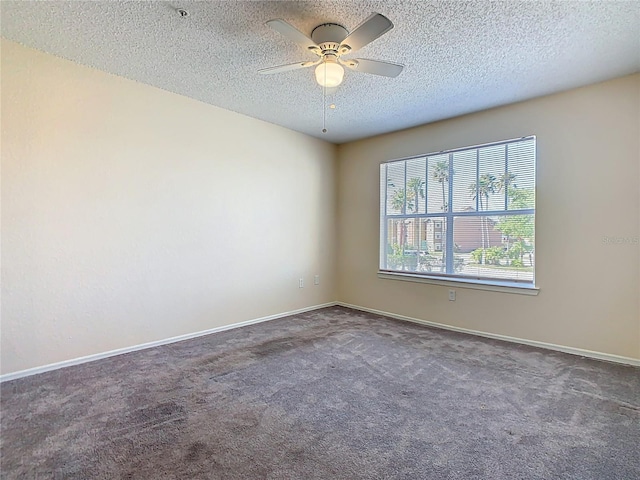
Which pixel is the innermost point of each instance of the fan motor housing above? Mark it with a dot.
(329, 35)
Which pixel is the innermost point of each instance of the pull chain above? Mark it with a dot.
(324, 102)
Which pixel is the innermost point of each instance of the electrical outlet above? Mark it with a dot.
(301, 282)
(452, 295)
(316, 280)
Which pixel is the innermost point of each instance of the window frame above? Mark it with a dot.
(447, 218)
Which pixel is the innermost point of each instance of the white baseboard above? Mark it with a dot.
(549, 346)
(90, 358)
(97, 356)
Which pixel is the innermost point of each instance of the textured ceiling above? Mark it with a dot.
(459, 57)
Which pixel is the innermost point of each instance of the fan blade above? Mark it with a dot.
(295, 35)
(376, 67)
(286, 68)
(372, 28)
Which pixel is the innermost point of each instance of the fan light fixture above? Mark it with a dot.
(329, 73)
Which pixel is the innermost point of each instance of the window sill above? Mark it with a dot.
(497, 286)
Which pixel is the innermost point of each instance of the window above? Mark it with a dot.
(467, 213)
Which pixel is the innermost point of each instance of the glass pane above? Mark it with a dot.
(500, 247)
(416, 244)
(464, 176)
(433, 258)
(395, 188)
(489, 188)
(437, 183)
(521, 177)
(416, 185)
(383, 208)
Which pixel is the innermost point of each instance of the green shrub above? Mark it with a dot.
(476, 255)
(493, 255)
(397, 260)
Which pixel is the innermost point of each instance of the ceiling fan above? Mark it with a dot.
(330, 42)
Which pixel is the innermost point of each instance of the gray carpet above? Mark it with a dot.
(329, 394)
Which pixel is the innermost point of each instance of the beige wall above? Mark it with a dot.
(588, 187)
(130, 214)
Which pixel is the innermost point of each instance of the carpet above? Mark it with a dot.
(333, 393)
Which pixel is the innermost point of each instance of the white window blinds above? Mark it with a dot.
(467, 213)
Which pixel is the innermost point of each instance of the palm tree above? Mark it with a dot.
(505, 181)
(486, 185)
(398, 201)
(441, 175)
(416, 186)
(401, 201)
